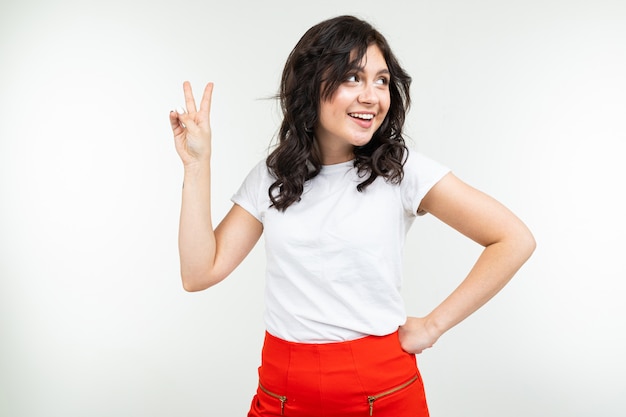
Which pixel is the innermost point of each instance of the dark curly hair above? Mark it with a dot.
(314, 70)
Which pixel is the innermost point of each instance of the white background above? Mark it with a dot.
(525, 100)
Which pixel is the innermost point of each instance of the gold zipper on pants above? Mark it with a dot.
(372, 398)
(282, 398)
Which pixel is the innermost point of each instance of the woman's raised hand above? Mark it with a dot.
(192, 128)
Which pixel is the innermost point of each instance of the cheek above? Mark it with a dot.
(342, 99)
(386, 103)
(325, 115)
(384, 109)
(386, 100)
(331, 107)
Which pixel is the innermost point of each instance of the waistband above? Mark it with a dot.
(372, 361)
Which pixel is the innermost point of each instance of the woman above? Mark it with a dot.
(334, 200)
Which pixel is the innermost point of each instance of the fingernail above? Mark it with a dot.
(180, 110)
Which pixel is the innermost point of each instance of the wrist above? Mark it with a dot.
(434, 327)
(197, 166)
(196, 171)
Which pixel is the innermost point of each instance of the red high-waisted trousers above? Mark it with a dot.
(371, 376)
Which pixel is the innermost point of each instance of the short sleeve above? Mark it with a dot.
(420, 174)
(252, 194)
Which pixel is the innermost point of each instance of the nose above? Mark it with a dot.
(368, 94)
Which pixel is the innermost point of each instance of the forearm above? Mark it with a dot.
(196, 238)
(495, 267)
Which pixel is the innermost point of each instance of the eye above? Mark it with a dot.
(382, 81)
(352, 78)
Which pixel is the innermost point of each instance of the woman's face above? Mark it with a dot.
(355, 111)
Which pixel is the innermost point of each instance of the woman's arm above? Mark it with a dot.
(508, 244)
(207, 256)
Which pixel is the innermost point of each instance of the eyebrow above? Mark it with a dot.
(384, 71)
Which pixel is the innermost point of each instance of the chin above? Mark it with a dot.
(361, 142)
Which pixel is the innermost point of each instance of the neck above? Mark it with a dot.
(332, 160)
(331, 156)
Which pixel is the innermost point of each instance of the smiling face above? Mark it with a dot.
(355, 110)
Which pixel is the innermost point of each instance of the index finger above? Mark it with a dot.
(190, 103)
(205, 104)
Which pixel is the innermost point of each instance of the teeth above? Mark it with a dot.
(362, 116)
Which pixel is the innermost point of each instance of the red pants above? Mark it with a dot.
(371, 376)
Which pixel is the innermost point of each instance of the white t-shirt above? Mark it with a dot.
(334, 259)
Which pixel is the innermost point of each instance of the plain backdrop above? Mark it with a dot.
(525, 100)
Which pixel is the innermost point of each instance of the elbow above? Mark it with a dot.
(518, 245)
(194, 282)
(527, 244)
(532, 245)
(193, 286)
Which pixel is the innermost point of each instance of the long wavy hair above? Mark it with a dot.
(315, 68)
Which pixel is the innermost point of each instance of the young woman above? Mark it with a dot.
(334, 201)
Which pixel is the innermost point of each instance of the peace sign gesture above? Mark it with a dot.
(192, 128)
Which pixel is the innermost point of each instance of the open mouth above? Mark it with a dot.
(362, 116)
(363, 120)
